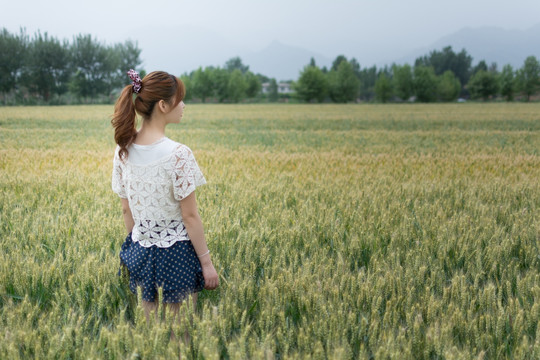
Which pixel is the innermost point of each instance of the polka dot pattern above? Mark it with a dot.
(176, 269)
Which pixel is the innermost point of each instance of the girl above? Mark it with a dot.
(156, 178)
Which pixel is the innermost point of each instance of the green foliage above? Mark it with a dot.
(237, 86)
(202, 83)
(356, 67)
(342, 82)
(339, 232)
(235, 63)
(402, 81)
(98, 68)
(481, 66)
(46, 70)
(188, 85)
(447, 59)
(219, 79)
(529, 77)
(273, 91)
(233, 83)
(335, 64)
(425, 84)
(368, 77)
(449, 87)
(253, 85)
(312, 84)
(383, 88)
(12, 58)
(124, 56)
(93, 67)
(262, 78)
(508, 82)
(483, 85)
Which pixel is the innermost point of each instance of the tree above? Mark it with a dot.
(235, 63)
(46, 66)
(46, 69)
(481, 66)
(92, 66)
(99, 69)
(201, 84)
(343, 83)
(447, 59)
(508, 82)
(273, 91)
(449, 86)
(188, 86)
(383, 88)
(339, 59)
(368, 77)
(529, 77)
(126, 56)
(237, 86)
(312, 84)
(483, 84)
(253, 85)
(356, 67)
(262, 78)
(425, 84)
(403, 81)
(219, 79)
(12, 58)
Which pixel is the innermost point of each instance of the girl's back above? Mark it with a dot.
(155, 178)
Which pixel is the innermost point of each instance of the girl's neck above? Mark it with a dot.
(150, 132)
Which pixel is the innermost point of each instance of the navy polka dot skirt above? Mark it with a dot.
(175, 269)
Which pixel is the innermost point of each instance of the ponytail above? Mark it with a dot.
(123, 121)
(156, 86)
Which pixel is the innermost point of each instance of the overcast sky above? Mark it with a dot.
(370, 30)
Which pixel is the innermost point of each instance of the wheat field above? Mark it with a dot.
(339, 232)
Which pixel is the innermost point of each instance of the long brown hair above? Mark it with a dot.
(156, 86)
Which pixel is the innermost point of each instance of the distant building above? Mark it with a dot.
(282, 88)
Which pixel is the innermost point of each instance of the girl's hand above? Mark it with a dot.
(211, 279)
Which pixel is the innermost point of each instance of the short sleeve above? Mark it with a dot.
(186, 173)
(117, 179)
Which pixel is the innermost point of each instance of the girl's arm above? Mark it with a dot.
(195, 230)
(128, 217)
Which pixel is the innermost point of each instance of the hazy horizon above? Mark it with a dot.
(372, 32)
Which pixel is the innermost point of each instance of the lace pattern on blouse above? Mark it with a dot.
(154, 192)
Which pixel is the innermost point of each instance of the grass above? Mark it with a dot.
(339, 231)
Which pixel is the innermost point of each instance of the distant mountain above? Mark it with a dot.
(182, 49)
(188, 47)
(283, 62)
(492, 44)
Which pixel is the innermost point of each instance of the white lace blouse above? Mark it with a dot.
(154, 178)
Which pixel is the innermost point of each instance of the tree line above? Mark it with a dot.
(44, 69)
(440, 76)
(232, 83)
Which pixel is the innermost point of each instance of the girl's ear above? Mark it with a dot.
(162, 104)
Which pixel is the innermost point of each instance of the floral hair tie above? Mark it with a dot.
(137, 82)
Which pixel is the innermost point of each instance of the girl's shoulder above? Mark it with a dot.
(170, 145)
(171, 151)
(182, 149)
(182, 154)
